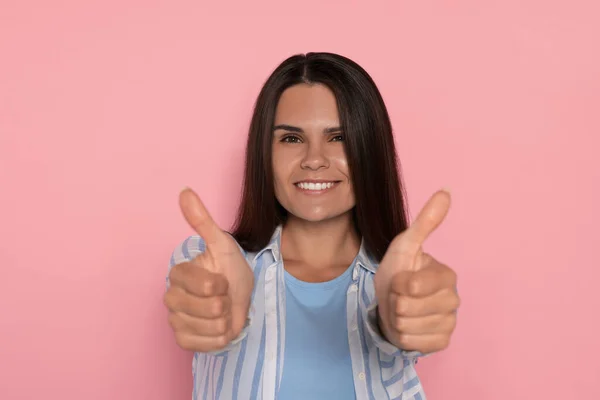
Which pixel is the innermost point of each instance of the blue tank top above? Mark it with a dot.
(317, 363)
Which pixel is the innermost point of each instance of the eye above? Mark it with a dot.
(290, 139)
(337, 138)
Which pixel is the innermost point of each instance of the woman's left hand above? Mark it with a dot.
(416, 295)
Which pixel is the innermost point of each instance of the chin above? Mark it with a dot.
(319, 215)
(313, 218)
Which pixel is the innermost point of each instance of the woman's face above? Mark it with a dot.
(312, 180)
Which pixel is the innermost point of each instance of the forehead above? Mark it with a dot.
(303, 103)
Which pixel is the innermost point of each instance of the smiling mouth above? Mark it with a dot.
(316, 187)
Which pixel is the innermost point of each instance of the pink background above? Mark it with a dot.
(107, 109)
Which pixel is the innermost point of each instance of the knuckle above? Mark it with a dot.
(404, 341)
(168, 299)
(196, 326)
(403, 306)
(221, 341)
(401, 324)
(180, 274)
(177, 323)
(179, 269)
(173, 275)
(221, 326)
(450, 301)
(395, 305)
(217, 306)
(207, 286)
(183, 341)
(172, 301)
(175, 269)
(415, 286)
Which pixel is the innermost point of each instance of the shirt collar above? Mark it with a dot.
(273, 246)
(362, 258)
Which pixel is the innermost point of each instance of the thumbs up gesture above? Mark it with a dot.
(209, 297)
(416, 295)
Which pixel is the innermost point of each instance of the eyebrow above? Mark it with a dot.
(291, 128)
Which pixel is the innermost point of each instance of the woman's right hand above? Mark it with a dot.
(209, 297)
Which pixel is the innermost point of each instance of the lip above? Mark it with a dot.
(317, 181)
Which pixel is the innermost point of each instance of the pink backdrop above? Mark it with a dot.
(107, 109)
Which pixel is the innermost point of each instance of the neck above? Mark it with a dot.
(320, 244)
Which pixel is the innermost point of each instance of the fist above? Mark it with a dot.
(199, 307)
(209, 297)
(416, 294)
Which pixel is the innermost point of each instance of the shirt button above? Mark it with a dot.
(361, 376)
(354, 327)
(353, 288)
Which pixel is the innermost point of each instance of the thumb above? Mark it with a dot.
(430, 217)
(197, 217)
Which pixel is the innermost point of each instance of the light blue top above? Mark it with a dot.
(317, 365)
(251, 366)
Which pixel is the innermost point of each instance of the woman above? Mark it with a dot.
(321, 291)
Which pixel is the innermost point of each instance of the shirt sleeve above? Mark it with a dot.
(189, 249)
(372, 328)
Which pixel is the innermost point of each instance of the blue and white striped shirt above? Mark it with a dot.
(251, 366)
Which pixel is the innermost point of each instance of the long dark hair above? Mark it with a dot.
(380, 212)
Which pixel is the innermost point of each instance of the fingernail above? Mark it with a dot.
(184, 189)
(446, 189)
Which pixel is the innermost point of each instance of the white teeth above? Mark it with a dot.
(315, 186)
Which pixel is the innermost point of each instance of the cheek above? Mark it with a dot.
(279, 184)
(282, 169)
(277, 160)
(338, 158)
(341, 164)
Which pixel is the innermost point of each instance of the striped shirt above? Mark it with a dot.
(251, 366)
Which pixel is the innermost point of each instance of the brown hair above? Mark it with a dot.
(380, 212)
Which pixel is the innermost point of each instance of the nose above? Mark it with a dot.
(315, 157)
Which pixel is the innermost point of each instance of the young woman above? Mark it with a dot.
(321, 291)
